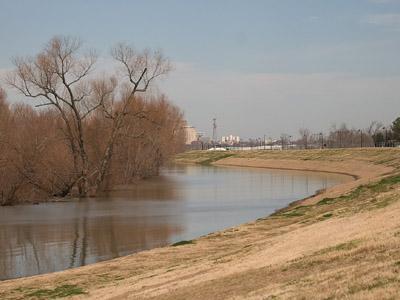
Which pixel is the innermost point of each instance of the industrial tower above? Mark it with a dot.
(214, 136)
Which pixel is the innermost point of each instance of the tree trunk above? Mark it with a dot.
(106, 161)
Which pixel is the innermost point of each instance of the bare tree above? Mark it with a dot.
(60, 78)
(304, 136)
(374, 131)
(139, 69)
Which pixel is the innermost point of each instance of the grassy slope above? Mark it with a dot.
(387, 157)
(336, 248)
(375, 262)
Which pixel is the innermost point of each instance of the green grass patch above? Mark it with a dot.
(62, 291)
(368, 191)
(118, 278)
(377, 283)
(384, 183)
(346, 246)
(203, 157)
(328, 215)
(294, 212)
(22, 289)
(327, 201)
(385, 202)
(357, 192)
(215, 157)
(181, 243)
(340, 247)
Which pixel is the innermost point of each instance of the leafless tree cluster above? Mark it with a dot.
(344, 137)
(90, 131)
(150, 134)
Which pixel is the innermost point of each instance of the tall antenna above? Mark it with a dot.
(214, 138)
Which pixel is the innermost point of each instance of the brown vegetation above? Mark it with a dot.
(89, 132)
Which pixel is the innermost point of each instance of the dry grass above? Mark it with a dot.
(384, 156)
(342, 243)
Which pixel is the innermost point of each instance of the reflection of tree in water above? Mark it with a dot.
(80, 237)
(74, 244)
(84, 239)
(28, 238)
(18, 246)
(159, 188)
(114, 236)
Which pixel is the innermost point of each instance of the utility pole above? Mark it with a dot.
(214, 138)
(321, 135)
(264, 141)
(305, 141)
(386, 140)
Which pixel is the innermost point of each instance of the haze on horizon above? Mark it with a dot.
(259, 67)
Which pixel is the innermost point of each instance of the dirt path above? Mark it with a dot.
(329, 246)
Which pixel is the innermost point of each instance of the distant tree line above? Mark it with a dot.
(88, 132)
(375, 135)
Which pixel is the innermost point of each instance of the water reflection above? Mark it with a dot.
(183, 203)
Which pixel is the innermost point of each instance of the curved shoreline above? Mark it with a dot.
(362, 173)
(223, 164)
(220, 165)
(159, 280)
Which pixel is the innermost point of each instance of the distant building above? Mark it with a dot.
(230, 140)
(191, 135)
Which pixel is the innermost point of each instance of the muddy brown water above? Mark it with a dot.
(185, 202)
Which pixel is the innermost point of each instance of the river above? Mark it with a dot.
(185, 202)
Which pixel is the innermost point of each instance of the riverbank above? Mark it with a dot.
(340, 243)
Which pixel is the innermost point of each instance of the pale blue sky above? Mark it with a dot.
(260, 67)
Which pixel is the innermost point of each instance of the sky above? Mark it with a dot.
(259, 67)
